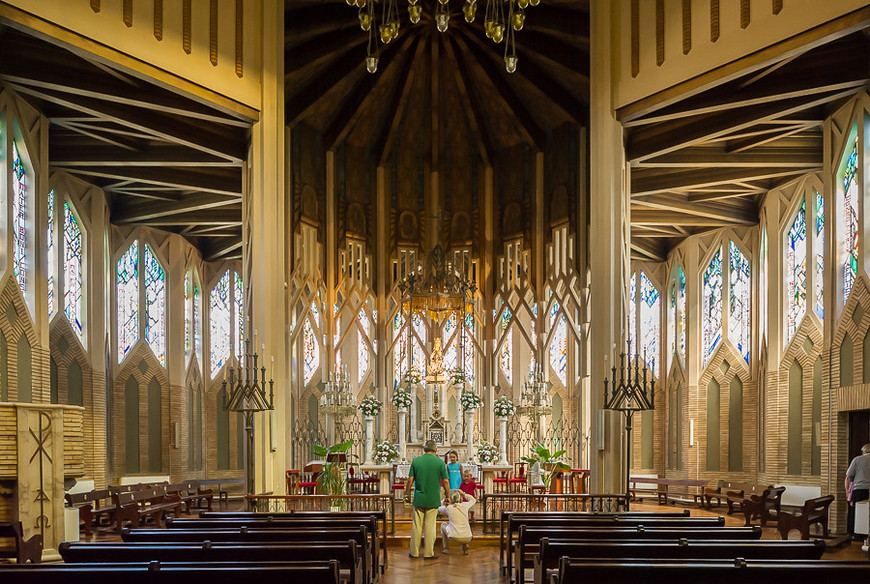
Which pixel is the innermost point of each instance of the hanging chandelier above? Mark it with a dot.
(440, 289)
(503, 19)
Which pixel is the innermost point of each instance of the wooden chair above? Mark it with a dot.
(517, 482)
(765, 506)
(292, 478)
(308, 478)
(500, 482)
(814, 511)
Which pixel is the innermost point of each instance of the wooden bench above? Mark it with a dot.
(223, 495)
(529, 538)
(764, 507)
(651, 571)
(326, 572)
(347, 554)
(137, 506)
(736, 493)
(814, 511)
(192, 495)
(546, 562)
(90, 507)
(21, 549)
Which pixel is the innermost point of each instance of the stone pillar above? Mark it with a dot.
(370, 439)
(502, 440)
(403, 442)
(469, 435)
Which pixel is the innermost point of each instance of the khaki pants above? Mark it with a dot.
(423, 524)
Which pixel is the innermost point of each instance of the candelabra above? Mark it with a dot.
(535, 400)
(247, 396)
(629, 396)
(338, 400)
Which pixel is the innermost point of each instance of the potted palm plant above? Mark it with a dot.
(333, 479)
(549, 462)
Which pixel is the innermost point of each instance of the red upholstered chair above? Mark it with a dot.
(308, 478)
(518, 481)
(292, 478)
(500, 482)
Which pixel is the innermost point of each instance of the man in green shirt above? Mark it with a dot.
(428, 474)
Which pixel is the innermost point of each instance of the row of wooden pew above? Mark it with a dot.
(650, 546)
(327, 547)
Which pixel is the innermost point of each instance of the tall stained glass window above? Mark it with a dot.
(363, 334)
(188, 309)
(796, 271)
(506, 356)
(559, 345)
(650, 322)
(850, 221)
(681, 312)
(711, 310)
(819, 246)
(19, 219)
(468, 354)
(128, 300)
(400, 349)
(219, 323)
(740, 291)
(310, 346)
(197, 318)
(72, 269)
(52, 260)
(632, 315)
(533, 328)
(418, 341)
(155, 305)
(336, 337)
(239, 309)
(672, 316)
(451, 355)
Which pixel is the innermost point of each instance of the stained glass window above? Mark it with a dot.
(451, 355)
(850, 232)
(796, 271)
(219, 323)
(188, 307)
(419, 341)
(672, 317)
(468, 355)
(52, 260)
(400, 349)
(336, 338)
(310, 346)
(155, 305)
(363, 333)
(819, 246)
(740, 291)
(533, 325)
(632, 313)
(72, 269)
(239, 306)
(681, 311)
(128, 300)
(506, 357)
(711, 310)
(197, 314)
(650, 322)
(19, 219)
(559, 345)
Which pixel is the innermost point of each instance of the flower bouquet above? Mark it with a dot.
(487, 453)
(413, 376)
(385, 452)
(458, 376)
(370, 406)
(470, 401)
(503, 406)
(401, 398)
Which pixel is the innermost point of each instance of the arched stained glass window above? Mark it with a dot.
(336, 338)
(451, 355)
(632, 315)
(219, 323)
(197, 318)
(128, 300)
(850, 221)
(740, 291)
(506, 356)
(310, 346)
(239, 307)
(559, 345)
(363, 334)
(188, 309)
(52, 260)
(418, 341)
(681, 312)
(155, 305)
(796, 271)
(533, 327)
(400, 349)
(469, 349)
(819, 246)
(650, 322)
(672, 317)
(19, 219)
(72, 269)
(711, 309)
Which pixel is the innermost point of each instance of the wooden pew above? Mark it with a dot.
(546, 562)
(249, 534)
(370, 522)
(90, 506)
(172, 573)
(505, 515)
(650, 571)
(223, 495)
(736, 493)
(347, 554)
(529, 538)
(21, 549)
(765, 507)
(137, 506)
(814, 511)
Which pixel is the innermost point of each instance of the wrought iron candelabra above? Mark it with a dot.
(338, 400)
(535, 400)
(247, 395)
(629, 395)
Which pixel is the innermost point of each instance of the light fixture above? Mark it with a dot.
(503, 19)
(337, 399)
(535, 400)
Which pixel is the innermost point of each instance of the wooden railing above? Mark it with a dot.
(495, 503)
(360, 502)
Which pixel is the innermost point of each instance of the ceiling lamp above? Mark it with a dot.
(503, 19)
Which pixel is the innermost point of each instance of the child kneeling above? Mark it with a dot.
(457, 528)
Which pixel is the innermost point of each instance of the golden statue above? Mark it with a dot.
(435, 370)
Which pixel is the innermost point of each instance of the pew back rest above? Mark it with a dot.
(796, 495)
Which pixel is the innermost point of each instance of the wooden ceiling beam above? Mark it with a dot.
(709, 211)
(648, 250)
(570, 56)
(651, 181)
(719, 156)
(223, 250)
(221, 181)
(475, 118)
(125, 213)
(64, 154)
(651, 217)
(297, 57)
(399, 102)
(738, 146)
(114, 140)
(208, 217)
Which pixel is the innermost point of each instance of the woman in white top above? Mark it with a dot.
(457, 527)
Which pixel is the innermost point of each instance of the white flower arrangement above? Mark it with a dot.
(401, 398)
(413, 375)
(458, 376)
(487, 453)
(385, 452)
(470, 401)
(370, 406)
(503, 406)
